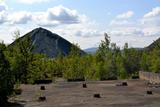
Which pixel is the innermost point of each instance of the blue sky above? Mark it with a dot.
(84, 21)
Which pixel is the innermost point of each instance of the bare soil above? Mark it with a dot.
(72, 94)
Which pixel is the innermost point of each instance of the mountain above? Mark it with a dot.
(48, 43)
(91, 50)
(153, 45)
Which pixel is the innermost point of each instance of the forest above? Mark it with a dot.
(18, 64)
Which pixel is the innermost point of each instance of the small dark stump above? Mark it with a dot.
(96, 96)
(84, 85)
(124, 84)
(149, 92)
(42, 88)
(42, 98)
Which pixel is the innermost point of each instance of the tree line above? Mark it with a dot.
(18, 64)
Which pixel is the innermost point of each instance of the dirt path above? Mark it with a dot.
(64, 94)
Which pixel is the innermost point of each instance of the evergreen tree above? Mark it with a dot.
(155, 60)
(145, 62)
(6, 77)
(21, 57)
(73, 65)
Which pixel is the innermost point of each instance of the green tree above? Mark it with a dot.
(21, 56)
(155, 60)
(73, 65)
(132, 59)
(103, 48)
(145, 62)
(6, 77)
(121, 71)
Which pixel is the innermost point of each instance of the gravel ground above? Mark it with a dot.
(71, 94)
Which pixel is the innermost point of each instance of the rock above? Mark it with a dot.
(84, 85)
(42, 88)
(96, 96)
(42, 98)
(149, 92)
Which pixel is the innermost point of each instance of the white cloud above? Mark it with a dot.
(32, 1)
(58, 15)
(122, 19)
(87, 33)
(3, 13)
(135, 28)
(125, 15)
(62, 14)
(154, 13)
(152, 18)
(85, 30)
(2, 17)
(120, 22)
(21, 17)
(151, 31)
(151, 22)
(127, 31)
(3, 7)
(146, 26)
(138, 32)
(154, 21)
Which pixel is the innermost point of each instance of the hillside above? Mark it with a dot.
(153, 45)
(48, 43)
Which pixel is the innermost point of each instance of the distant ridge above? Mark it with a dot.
(48, 43)
(91, 50)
